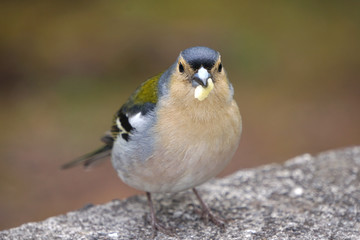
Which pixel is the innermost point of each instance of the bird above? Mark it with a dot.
(176, 131)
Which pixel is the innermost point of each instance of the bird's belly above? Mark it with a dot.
(182, 162)
(165, 172)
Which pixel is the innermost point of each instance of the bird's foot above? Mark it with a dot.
(157, 226)
(206, 213)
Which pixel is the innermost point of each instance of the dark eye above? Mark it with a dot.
(220, 67)
(181, 67)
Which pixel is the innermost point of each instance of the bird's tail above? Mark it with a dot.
(90, 158)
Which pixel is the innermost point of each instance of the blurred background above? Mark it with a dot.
(66, 67)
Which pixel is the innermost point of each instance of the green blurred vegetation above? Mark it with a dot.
(66, 67)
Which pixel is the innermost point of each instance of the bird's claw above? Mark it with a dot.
(207, 215)
(157, 226)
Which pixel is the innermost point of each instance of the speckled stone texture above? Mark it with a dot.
(308, 197)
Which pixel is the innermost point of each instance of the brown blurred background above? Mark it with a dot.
(66, 67)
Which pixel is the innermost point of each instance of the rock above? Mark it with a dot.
(307, 197)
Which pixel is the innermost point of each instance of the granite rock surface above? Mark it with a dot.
(307, 197)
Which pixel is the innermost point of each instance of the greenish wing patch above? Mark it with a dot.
(142, 100)
(146, 93)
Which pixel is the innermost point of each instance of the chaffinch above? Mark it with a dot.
(176, 131)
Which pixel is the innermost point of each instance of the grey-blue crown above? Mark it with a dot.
(200, 56)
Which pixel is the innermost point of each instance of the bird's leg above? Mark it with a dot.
(206, 213)
(156, 226)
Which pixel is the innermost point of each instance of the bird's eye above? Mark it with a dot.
(181, 67)
(220, 67)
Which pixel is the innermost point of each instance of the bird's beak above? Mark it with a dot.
(201, 77)
(203, 84)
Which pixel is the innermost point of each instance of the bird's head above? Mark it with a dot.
(199, 74)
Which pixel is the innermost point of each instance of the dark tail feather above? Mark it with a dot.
(90, 158)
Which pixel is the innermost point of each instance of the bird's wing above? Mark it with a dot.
(143, 100)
